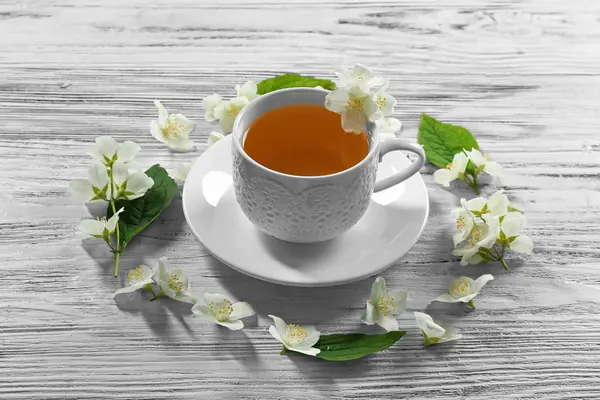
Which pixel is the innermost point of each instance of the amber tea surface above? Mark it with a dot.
(304, 140)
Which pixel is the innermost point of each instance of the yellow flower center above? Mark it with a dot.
(354, 105)
(460, 288)
(450, 165)
(476, 235)
(136, 274)
(221, 310)
(232, 111)
(386, 305)
(173, 127)
(381, 102)
(175, 283)
(461, 223)
(294, 333)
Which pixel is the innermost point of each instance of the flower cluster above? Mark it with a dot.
(459, 169)
(486, 228)
(224, 112)
(174, 284)
(360, 97)
(112, 176)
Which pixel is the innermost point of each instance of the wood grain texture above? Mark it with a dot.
(523, 76)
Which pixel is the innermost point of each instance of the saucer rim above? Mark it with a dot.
(328, 283)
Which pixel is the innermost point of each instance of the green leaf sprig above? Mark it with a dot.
(442, 142)
(352, 346)
(290, 81)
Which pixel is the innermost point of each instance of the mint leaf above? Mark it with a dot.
(442, 141)
(292, 80)
(351, 346)
(140, 212)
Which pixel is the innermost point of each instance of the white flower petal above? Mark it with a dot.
(522, 244)
(210, 104)
(160, 271)
(481, 282)
(241, 310)
(308, 351)
(450, 335)
(337, 100)
(476, 157)
(371, 109)
(446, 298)
(247, 90)
(163, 115)
(120, 172)
(426, 324)
(387, 322)
(494, 169)
(312, 337)
(353, 122)
(214, 137)
(400, 299)
(475, 204)
(370, 314)
(105, 147)
(388, 126)
(127, 151)
(280, 325)
(181, 171)
(498, 203)
(385, 103)
(469, 255)
(378, 289)
(204, 311)
(81, 189)
(185, 297)
(180, 144)
(231, 325)
(186, 124)
(111, 224)
(444, 176)
(512, 224)
(275, 333)
(138, 184)
(91, 227)
(156, 132)
(131, 288)
(97, 175)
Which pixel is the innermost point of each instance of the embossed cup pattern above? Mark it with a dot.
(308, 209)
(302, 210)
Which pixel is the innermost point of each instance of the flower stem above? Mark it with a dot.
(504, 263)
(473, 183)
(283, 351)
(471, 304)
(116, 251)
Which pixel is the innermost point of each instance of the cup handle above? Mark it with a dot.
(400, 144)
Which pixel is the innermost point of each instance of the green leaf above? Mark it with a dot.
(140, 212)
(292, 80)
(442, 141)
(351, 346)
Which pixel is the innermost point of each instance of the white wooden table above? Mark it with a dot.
(523, 76)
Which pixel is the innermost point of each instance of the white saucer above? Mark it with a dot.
(391, 226)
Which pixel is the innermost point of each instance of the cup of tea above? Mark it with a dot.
(298, 176)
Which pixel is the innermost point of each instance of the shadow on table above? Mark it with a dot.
(159, 314)
(294, 304)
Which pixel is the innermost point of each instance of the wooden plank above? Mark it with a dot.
(522, 76)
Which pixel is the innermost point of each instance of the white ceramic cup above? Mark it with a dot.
(307, 209)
